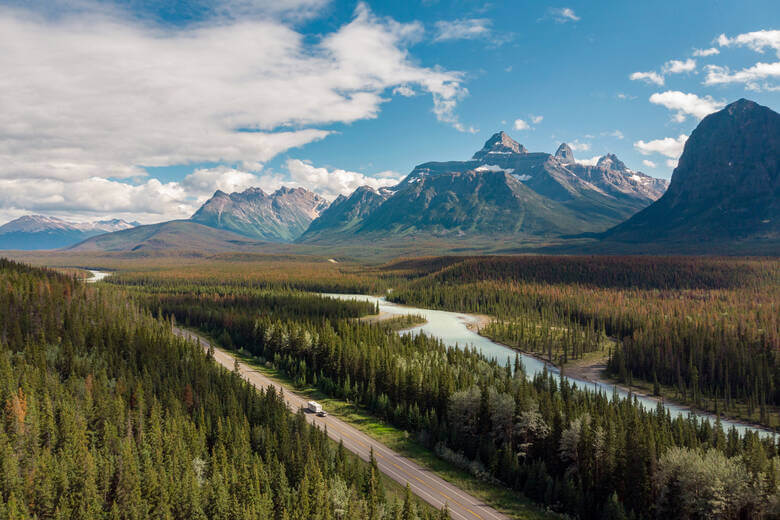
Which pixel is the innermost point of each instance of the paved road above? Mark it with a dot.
(422, 482)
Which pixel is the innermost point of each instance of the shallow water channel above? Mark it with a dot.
(452, 329)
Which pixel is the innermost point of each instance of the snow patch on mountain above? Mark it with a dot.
(493, 168)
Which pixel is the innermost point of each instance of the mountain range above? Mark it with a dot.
(281, 216)
(724, 189)
(37, 232)
(502, 190)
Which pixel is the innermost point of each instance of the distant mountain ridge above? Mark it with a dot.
(503, 189)
(726, 186)
(281, 216)
(39, 232)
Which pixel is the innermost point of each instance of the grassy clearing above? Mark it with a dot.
(509, 502)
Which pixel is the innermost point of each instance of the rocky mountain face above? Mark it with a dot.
(726, 186)
(503, 189)
(38, 232)
(613, 177)
(346, 214)
(281, 216)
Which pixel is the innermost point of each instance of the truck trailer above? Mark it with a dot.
(314, 407)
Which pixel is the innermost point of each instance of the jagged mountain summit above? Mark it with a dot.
(503, 190)
(726, 186)
(38, 232)
(281, 216)
(499, 144)
(564, 154)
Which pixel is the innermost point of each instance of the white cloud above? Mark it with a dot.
(579, 147)
(706, 52)
(208, 180)
(462, 29)
(671, 163)
(95, 196)
(684, 104)
(563, 14)
(588, 162)
(754, 78)
(404, 90)
(751, 76)
(91, 97)
(668, 146)
(649, 163)
(647, 77)
(624, 96)
(757, 40)
(492, 168)
(678, 67)
(115, 96)
(331, 183)
(521, 125)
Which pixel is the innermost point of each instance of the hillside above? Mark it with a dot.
(174, 235)
(724, 191)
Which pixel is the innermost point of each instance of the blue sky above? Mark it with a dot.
(127, 110)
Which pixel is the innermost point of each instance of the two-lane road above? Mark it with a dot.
(423, 483)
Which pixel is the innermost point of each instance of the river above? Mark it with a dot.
(452, 329)
(96, 275)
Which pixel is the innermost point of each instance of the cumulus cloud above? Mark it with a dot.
(649, 163)
(91, 97)
(684, 104)
(563, 14)
(668, 146)
(671, 163)
(647, 77)
(758, 41)
(149, 201)
(331, 183)
(579, 147)
(752, 77)
(755, 77)
(205, 181)
(678, 66)
(588, 162)
(706, 52)
(462, 29)
(404, 90)
(520, 124)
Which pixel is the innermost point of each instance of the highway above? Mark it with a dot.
(422, 482)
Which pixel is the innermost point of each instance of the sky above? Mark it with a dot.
(142, 109)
